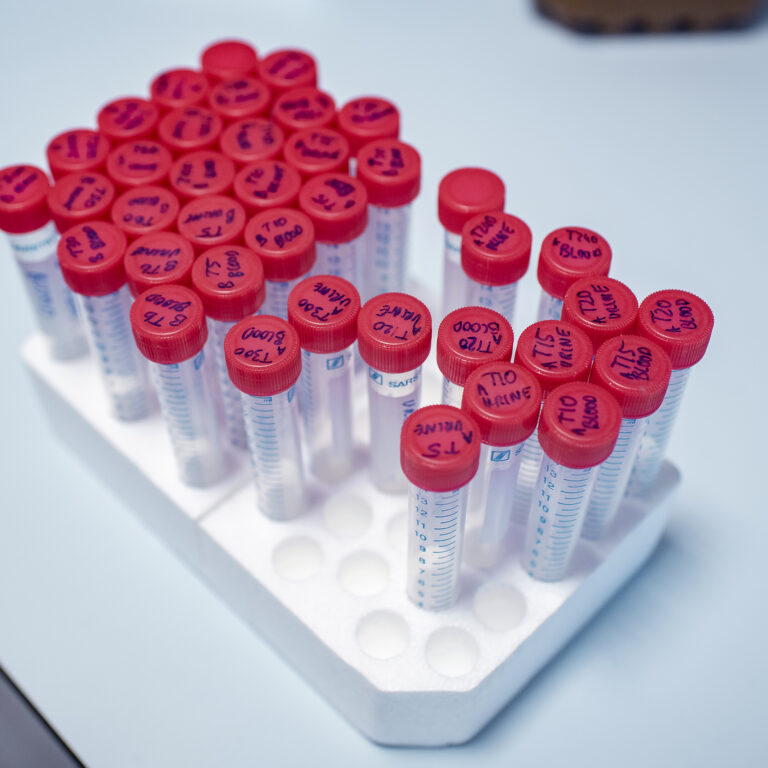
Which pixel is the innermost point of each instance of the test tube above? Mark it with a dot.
(303, 107)
(439, 453)
(26, 220)
(169, 327)
(143, 210)
(365, 119)
(251, 140)
(230, 281)
(198, 174)
(394, 335)
(463, 194)
(189, 129)
(228, 58)
(337, 204)
(160, 258)
(178, 88)
(127, 118)
(80, 197)
(78, 150)
(138, 163)
(578, 428)
(390, 170)
(317, 150)
(566, 255)
(636, 372)
(555, 352)
(267, 184)
(239, 97)
(466, 339)
(284, 240)
(288, 68)
(495, 252)
(91, 259)
(681, 324)
(264, 362)
(211, 220)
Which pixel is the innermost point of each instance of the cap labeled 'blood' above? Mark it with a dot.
(288, 68)
(317, 150)
(190, 129)
(391, 172)
(212, 220)
(130, 117)
(469, 337)
(464, 193)
(267, 184)
(228, 58)
(23, 199)
(239, 97)
(201, 173)
(368, 118)
(80, 197)
(77, 151)
(145, 209)
(159, 258)
(439, 448)
(178, 89)
(263, 355)
(337, 205)
(304, 107)
(284, 240)
(495, 248)
(138, 163)
(251, 140)
(91, 258)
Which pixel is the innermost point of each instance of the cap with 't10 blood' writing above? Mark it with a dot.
(439, 448)
(77, 151)
(129, 117)
(252, 140)
(197, 174)
(23, 199)
(288, 68)
(368, 118)
(304, 107)
(284, 240)
(178, 88)
(158, 258)
(390, 170)
(337, 205)
(80, 197)
(267, 184)
(464, 193)
(145, 209)
(212, 220)
(495, 248)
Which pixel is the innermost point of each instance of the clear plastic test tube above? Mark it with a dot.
(463, 194)
(504, 399)
(284, 240)
(160, 258)
(142, 210)
(394, 335)
(26, 220)
(210, 221)
(91, 259)
(251, 141)
(636, 372)
(391, 173)
(323, 309)
(169, 328)
(495, 252)
(317, 150)
(439, 454)
(264, 362)
(228, 58)
(78, 150)
(266, 184)
(578, 428)
(681, 324)
(365, 119)
(230, 281)
(566, 255)
(466, 339)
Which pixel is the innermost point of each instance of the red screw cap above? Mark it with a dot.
(190, 129)
(323, 309)
(317, 150)
(23, 199)
(267, 184)
(635, 371)
(76, 151)
(464, 193)
(284, 240)
(304, 107)
(469, 337)
(439, 448)
(579, 424)
(287, 69)
(178, 89)
(555, 352)
(168, 324)
(230, 281)
(568, 254)
(201, 173)
(251, 140)
(138, 163)
(210, 221)
(495, 248)
(80, 197)
(602, 307)
(679, 322)
(391, 172)
(394, 332)
(337, 205)
(263, 355)
(160, 258)
(91, 258)
(368, 118)
(228, 58)
(239, 97)
(130, 117)
(145, 209)
(504, 399)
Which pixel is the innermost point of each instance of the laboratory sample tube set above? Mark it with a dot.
(229, 254)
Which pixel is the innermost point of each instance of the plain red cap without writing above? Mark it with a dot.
(76, 151)
(495, 248)
(145, 209)
(679, 322)
(197, 174)
(439, 448)
(323, 309)
(337, 205)
(250, 140)
(212, 220)
(239, 97)
(190, 129)
(263, 355)
(391, 172)
(368, 118)
(178, 88)
(636, 371)
(288, 68)
(284, 240)
(469, 337)
(464, 193)
(168, 324)
(80, 197)
(138, 163)
(129, 117)
(24, 193)
(394, 332)
(91, 258)
(228, 58)
(158, 258)
(267, 184)
(317, 150)
(230, 281)
(504, 399)
(304, 107)
(579, 424)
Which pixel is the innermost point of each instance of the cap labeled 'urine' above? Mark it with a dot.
(197, 174)
(391, 172)
(228, 58)
(495, 248)
(267, 184)
(24, 193)
(304, 107)
(77, 151)
(159, 258)
(466, 192)
(126, 118)
(367, 118)
(288, 68)
(212, 220)
(337, 205)
(317, 150)
(91, 258)
(178, 88)
(138, 163)
(145, 209)
(252, 140)
(80, 197)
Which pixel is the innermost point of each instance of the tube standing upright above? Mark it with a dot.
(91, 258)
(178, 88)
(199, 174)
(26, 220)
(288, 68)
(189, 129)
(128, 118)
(80, 197)
(251, 140)
(394, 335)
(317, 150)
(237, 98)
(210, 221)
(78, 150)
(323, 310)
(365, 119)
(228, 58)
(161, 258)
(439, 454)
(143, 210)
(139, 163)
(303, 107)
(266, 184)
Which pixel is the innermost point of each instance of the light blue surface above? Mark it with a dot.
(659, 144)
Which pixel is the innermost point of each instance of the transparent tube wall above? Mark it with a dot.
(452, 393)
(550, 308)
(530, 463)
(501, 298)
(454, 279)
(276, 296)
(342, 259)
(385, 267)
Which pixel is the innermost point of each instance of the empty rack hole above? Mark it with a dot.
(451, 651)
(499, 606)
(364, 574)
(347, 515)
(382, 634)
(298, 558)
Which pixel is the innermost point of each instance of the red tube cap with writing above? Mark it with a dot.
(24, 193)
(80, 197)
(159, 258)
(77, 151)
(317, 150)
(138, 163)
(267, 184)
(178, 89)
(304, 107)
(212, 220)
(464, 193)
(201, 173)
(495, 248)
(368, 118)
(129, 117)
(190, 129)
(228, 58)
(337, 205)
(287, 69)
(252, 140)
(239, 97)
(91, 258)
(284, 240)
(145, 209)
(391, 172)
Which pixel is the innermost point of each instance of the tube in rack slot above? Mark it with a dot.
(365, 119)
(78, 150)
(160, 258)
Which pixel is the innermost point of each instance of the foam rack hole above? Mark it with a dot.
(298, 558)
(397, 529)
(382, 634)
(499, 606)
(364, 574)
(347, 515)
(451, 651)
